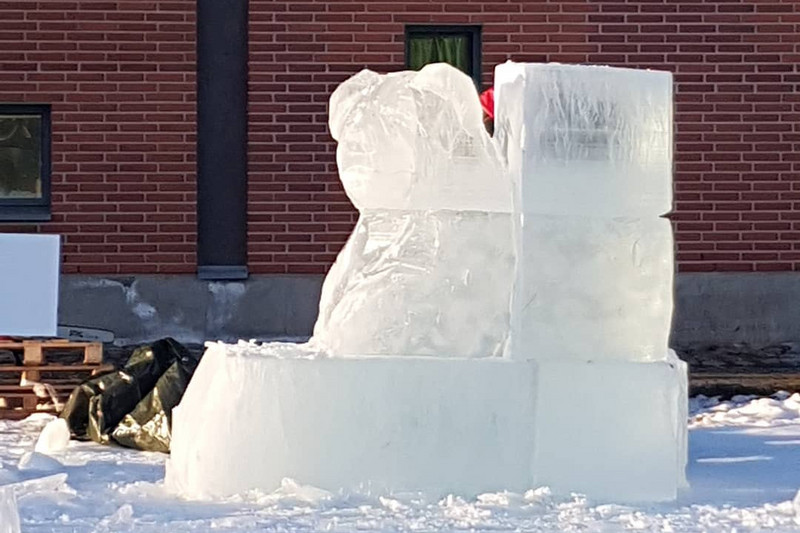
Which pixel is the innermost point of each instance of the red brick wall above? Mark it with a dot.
(737, 178)
(120, 78)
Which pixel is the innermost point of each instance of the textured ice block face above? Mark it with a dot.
(612, 430)
(428, 269)
(586, 140)
(376, 424)
(415, 140)
(595, 289)
(420, 283)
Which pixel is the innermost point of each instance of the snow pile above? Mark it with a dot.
(277, 350)
(781, 409)
(54, 437)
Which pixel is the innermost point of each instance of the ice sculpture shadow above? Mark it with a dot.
(752, 472)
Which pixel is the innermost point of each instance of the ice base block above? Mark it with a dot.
(377, 425)
(612, 430)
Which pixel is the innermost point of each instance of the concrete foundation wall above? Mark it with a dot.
(755, 308)
(144, 308)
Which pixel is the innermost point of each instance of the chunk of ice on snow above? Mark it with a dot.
(9, 514)
(614, 430)
(39, 462)
(54, 437)
(371, 424)
(586, 140)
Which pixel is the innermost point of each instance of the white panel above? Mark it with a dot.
(29, 270)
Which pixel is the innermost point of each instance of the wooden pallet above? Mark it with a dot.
(40, 364)
(729, 384)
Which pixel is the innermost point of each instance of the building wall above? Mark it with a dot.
(737, 171)
(120, 77)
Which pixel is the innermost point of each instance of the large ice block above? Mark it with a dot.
(612, 430)
(586, 140)
(420, 283)
(429, 267)
(593, 288)
(378, 424)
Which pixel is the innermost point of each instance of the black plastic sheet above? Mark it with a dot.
(133, 406)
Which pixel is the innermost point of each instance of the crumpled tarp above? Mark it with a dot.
(133, 406)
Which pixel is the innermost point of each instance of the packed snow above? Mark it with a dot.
(744, 473)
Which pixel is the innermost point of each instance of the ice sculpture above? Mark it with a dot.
(429, 267)
(499, 317)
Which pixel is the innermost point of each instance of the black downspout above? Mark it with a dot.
(222, 55)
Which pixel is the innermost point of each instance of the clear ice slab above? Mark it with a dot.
(375, 424)
(586, 140)
(593, 286)
(614, 430)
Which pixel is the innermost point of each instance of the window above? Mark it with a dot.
(459, 46)
(24, 162)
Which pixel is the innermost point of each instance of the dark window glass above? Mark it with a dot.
(24, 162)
(459, 46)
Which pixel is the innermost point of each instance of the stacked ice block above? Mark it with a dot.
(590, 155)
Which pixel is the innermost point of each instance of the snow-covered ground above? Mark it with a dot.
(744, 470)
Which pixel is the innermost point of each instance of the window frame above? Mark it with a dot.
(32, 209)
(473, 31)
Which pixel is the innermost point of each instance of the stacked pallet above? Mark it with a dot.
(38, 375)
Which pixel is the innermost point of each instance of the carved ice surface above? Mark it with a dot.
(416, 141)
(428, 269)
(490, 324)
(409, 283)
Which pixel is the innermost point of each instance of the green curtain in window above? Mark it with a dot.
(20, 157)
(452, 49)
